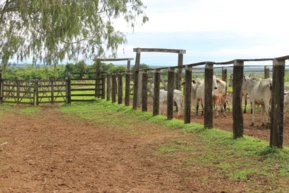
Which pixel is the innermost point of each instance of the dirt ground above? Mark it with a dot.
(52, 152)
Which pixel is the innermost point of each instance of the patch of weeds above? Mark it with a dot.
(284, 170)
(167, 149)
(205, 179)
(243, 174)
(224, 166)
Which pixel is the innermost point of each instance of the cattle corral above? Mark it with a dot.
(111, 86)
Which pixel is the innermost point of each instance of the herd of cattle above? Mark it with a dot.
(257, 90)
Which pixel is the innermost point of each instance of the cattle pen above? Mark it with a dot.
(110, 86)
(174, 75)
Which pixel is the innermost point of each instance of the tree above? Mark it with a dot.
(52, 30)
(141, 66)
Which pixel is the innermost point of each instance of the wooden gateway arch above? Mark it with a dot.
(138, 83)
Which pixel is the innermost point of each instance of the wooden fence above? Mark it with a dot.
(276, 125)
(37, 92)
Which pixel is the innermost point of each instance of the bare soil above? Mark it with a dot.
(54, 152)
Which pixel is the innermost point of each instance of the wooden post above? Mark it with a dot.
(188, 90)
(266, 72)
(18, 90)
(224, 77)
(136, 73)
(97, 76)
(238, 73)
(120, 92)
(68, 89)
(1, 88)
(52, 90)
(145, 91)
(156, 93)
(36, 93)
(139, 91)
(277, 116)
(208, 107)
(114, 87)
(170, 96)
(108, 87)
(128, 65)
(127, 88)
(103, 86)
(180, 63)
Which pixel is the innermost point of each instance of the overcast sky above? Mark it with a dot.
(210, 30)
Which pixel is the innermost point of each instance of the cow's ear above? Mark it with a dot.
(218, 81)
(193, 81)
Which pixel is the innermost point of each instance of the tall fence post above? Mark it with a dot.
(156, 100)
(108, 87)
(113, 90)
(277, 107)
(97, 78)
(120, 92)
(127, 88)
(170, 96)
(266, 72)
(208, 108)
(238, 124)
(145, 91)
(68, 89)
(187, 90)
(136, 83)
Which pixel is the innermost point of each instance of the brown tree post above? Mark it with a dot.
(277, 116)
(238, 124)
(136, 73)
(224, 74)
(170, 96)
(108, 86)
(156, 100)
(180, 63)
(127, 88)
(208, 108)
(52, 90)
(120, 92)
(145, 91)
(188, 89)
(36, 93)
(114, 87)
(266, 72)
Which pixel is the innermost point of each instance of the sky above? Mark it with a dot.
(209, 30)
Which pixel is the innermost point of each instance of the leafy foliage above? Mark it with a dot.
(52, 30)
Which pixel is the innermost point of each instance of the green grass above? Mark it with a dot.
(244, 159)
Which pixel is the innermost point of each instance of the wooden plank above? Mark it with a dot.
(170, 96)
(159, 50)
(238, 122)
(82, 89)
(208, 107)
(82, 95)
(277, 116)
(266, 72)
(113, 59)
(187, 97)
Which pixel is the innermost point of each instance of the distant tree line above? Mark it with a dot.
(77, 70)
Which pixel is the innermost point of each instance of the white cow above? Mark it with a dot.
(245, 87)
(198, 91)
(178, 99)
(260, 94)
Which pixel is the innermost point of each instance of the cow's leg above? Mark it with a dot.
(197, 107)
(253, 113)
(245, 100)
(179, 106)
(263, 118)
